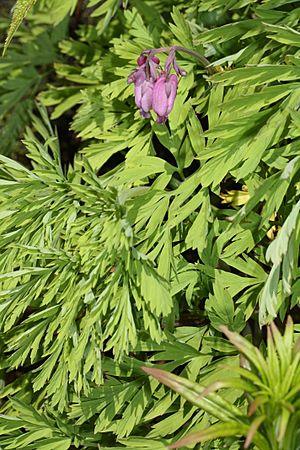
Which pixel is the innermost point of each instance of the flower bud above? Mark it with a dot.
(170, 61)
(179, 70)
(155, 59)
(141, 60)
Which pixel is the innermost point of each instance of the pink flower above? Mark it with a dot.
(153, 88)
(143, 97)
(143, 78)
(164, 93)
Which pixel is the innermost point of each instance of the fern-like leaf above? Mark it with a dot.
(20, 11)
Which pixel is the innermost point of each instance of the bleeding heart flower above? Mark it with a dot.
(154, 89)
(164, 93)
(143, 78)
(143, 97)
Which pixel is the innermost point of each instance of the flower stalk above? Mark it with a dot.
(177, 48)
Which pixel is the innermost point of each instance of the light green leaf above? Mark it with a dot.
(21, 9)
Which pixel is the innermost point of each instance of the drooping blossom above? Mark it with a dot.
(142, 91)
(164, 93)
(144, 78)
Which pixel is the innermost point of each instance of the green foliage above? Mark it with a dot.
(270, 381)
(24, 71)
(127, 243)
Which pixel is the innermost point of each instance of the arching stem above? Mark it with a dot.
(204, 61)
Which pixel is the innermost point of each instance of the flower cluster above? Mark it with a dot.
(155, 88)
